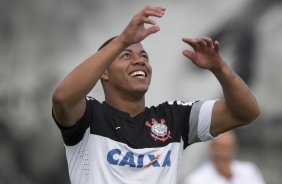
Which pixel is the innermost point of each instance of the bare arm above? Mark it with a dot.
(69, 97)
(239, 107)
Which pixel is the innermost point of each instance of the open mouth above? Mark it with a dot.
(138, 74)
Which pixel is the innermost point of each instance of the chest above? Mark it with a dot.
(149, 129)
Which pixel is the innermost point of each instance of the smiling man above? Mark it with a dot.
(128, 76)
(122, 141)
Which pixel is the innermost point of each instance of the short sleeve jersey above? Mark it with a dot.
(109, 146)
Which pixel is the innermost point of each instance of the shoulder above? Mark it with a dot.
(174, 109)
(175, 105)
(91, 99)
(244, 166)
(93, 103)
(196, 105)
(180, 103)
(248, 170)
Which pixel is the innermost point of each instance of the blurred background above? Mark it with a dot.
(42, 41)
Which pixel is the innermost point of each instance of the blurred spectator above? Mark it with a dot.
(223, 167)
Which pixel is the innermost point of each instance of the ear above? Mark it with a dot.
(105, 75)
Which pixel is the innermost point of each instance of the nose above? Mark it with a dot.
(138, 61)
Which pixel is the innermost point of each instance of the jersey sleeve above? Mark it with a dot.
(200, 121)
(74, 134)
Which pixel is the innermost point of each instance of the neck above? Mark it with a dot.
(132, 105)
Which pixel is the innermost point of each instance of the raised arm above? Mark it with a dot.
(69, 97)
(239, 107)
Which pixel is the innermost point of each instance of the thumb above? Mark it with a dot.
(151, 30)
(189, 54)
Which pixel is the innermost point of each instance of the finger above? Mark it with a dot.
(208, 41)
(202, 43)
(191, 42)
(216, 45)
(154, 11)
(198, 42)
(155, 8)
(151, 30)
(189, 54)
(149, 21)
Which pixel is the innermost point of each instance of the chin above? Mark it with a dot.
(143, 90)
(140, 91)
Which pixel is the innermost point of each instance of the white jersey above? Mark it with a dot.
(109, 146)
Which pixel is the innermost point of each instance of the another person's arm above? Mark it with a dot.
(69, 97)
(239, 107)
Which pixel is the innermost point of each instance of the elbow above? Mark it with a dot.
(251, 116)
(59, 98)
(256, 113)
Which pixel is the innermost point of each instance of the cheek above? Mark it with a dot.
(150, 70)
(116, 70)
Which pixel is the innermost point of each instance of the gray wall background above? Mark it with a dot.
(41, 41)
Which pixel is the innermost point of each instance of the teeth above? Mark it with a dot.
(137, 73)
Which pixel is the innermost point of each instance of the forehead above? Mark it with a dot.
(135, 47)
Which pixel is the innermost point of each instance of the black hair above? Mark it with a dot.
(106, 42)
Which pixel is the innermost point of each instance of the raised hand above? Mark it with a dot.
(206, 53)
(136, 31)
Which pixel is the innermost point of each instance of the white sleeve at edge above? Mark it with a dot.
(205, 121)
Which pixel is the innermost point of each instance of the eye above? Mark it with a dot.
(126, 55)
(145, 56)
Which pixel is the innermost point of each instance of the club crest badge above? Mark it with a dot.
(159, 131)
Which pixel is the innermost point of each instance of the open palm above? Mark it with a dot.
(136, 31)
(206, 53)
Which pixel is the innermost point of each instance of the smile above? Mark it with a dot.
(138, 74)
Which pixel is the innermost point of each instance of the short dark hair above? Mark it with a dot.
(106, 42)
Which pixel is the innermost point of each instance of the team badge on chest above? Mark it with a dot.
(159, 131)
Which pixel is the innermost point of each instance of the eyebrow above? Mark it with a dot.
(141, 52)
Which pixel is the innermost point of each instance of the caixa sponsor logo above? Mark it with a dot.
(116, 157)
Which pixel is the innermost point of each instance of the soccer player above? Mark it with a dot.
(122, 141)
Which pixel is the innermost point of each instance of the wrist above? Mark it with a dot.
(224, 73)
(121, 39)
(223, 68)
